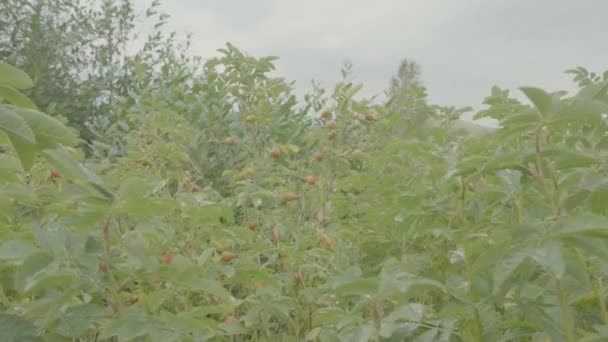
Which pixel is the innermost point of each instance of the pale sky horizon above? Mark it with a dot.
(464, 47)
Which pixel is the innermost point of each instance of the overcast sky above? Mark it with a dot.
(464, 47)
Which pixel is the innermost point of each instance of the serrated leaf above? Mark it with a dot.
(49, 131)
(13, 96)
(541, 99)
(16, 78)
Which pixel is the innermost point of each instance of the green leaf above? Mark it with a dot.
(13, 96)
(136, 187)
(507, 265)
(358, 286)
(564, 159)
(78, 320)
(20, 134)
(13, 77)
(541, 99)
(580, 110)
(527, 118)
(145, 208)
(15, 125)
(550, 256)
(130, 325)
(594, 91)
(15, 250)
(547, 254)
(17, 329)
(10, 169)
(210, 286)
(588, 224)
(188, 321)
(406, 317)
(327, 316)
(49, 131)
(26, 152)
(31, 268)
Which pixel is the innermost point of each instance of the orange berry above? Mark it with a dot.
(332, 135)
(229, 141)
(311, 180)
(229, 319)
(370, 117)
(252, 224)
(54, 175)
(195, 188)
(133, 299)
(275, 153)
(325, 114)
(226, 256)
(166, 258)
(290, 196)
(260, 284)
(318, 156)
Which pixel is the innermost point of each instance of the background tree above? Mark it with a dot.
(408, 74)
(80, 53)
(407, 96)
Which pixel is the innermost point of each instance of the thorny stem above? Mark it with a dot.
(105, 230)
(539, 172)
(472, 297)
(596, 290)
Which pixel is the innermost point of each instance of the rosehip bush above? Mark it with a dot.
(231, 216)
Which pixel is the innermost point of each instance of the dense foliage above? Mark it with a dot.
(224, 209)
